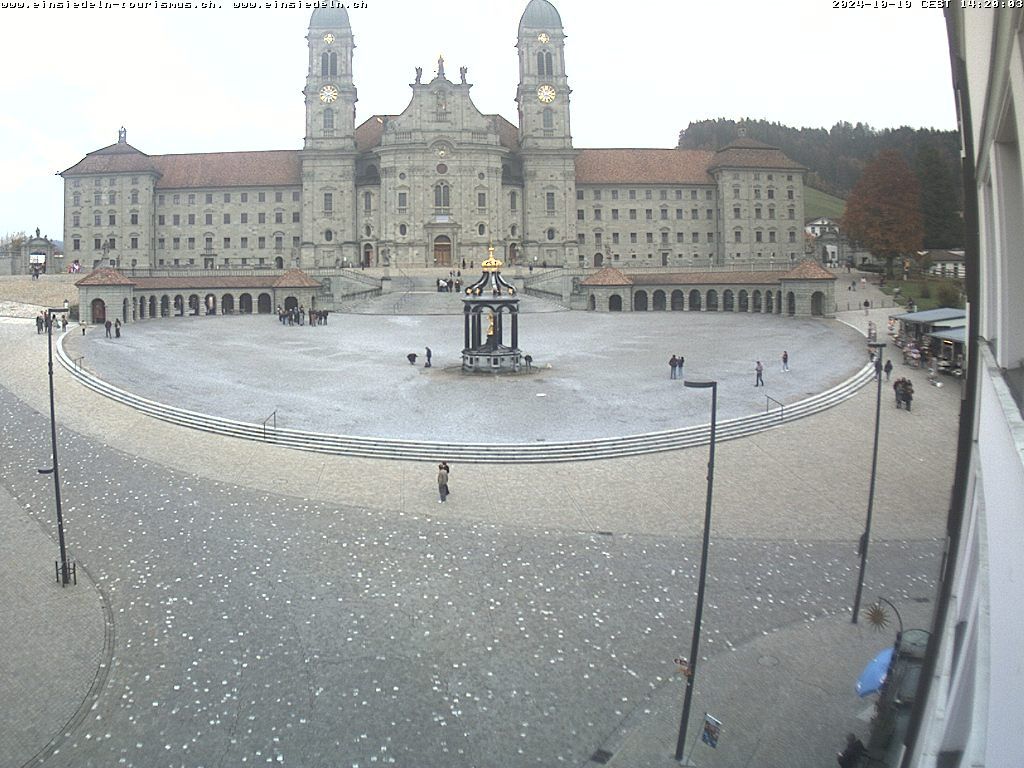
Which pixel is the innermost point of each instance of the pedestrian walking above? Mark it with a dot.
(442, 482)
(679, 365)
(40, 323)
(887, 369)
(117, 328)
(108, 325)
(672, 363)
(785, 361)
(427, 365)
(878, 368)
(908, 393)
(758, 374)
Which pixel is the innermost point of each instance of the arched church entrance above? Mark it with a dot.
(442, 251)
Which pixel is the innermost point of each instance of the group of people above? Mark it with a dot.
(904, 390)
(453, 283)
(43, 320)
(675, 364)
(759, 368)
(298, 316)
(116, 326)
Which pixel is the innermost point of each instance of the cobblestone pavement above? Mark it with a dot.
(293, 609)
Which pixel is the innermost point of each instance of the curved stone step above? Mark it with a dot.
(474, 453)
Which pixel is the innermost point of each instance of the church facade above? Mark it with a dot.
(435, 185)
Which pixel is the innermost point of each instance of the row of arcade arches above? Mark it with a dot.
(766, 302)
(192, 304)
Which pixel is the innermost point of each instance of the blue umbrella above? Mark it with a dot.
(873, 676)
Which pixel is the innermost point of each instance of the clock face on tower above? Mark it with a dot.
(328, 94)
(546, 94)
(544, 37)
(329, 38)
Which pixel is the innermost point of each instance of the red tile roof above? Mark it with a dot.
(608, 276)
(293, 278)
(277, 168)
(369, 132)
(707, 278)
(809, 270)
(271, 168)
(643, 166)
(105, 276)
(748, 153)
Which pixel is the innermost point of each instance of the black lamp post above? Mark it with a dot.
(876, 347)
(50, 320)
(695, 643)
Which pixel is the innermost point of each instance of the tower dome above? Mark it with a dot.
(540, 14)
(329, 18)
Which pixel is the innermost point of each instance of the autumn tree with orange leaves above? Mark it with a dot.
(883, 212)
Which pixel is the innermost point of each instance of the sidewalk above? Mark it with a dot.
(55, 640)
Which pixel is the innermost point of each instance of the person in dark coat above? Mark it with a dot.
(853, 752)
(108, 325)
(427, 365)
(117, 328)
(442, 482)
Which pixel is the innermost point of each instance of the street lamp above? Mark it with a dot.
(876, 347)
(695, 643)
(64, 569)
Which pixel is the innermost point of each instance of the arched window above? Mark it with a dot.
(367, 201)
(551, 234)
(324, 64)
(480, 229)
(328, 235)
(544, 63)
(334, 63)
(549, 118)
(328, 122)
(403, 230)
(442, 197)
(513, 201)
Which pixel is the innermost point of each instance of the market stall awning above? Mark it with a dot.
(956, 335)
(932, 316)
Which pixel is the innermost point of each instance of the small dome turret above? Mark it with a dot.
(329, 18)
(540, 14)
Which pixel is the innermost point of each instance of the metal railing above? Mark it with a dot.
(767, 406)
(271, 416)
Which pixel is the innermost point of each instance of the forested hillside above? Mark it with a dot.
(834, 157)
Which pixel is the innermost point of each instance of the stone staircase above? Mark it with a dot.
(475, 453)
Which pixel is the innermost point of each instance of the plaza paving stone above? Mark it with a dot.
(595, 374)
(294, 609)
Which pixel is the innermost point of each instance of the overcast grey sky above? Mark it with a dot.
(223, 79)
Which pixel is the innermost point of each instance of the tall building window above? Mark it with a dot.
(403, 200)
(549, 119)
(367, 201)
(442, 197)
(76, 199)
(328, 122)
(545, 63)
(328, 202)
(481, 200)
(513, 201)
(549, 201)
